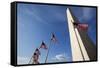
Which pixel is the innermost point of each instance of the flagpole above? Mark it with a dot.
(48, 52)
(30, 59)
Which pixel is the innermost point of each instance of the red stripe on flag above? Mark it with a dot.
(83, 26)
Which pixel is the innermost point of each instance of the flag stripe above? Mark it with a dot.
(81, 26)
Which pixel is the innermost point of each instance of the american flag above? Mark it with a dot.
(81, 26)
(53, 38)
(37, 51)
(43, 45)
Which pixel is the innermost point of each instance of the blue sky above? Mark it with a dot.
(37, 22)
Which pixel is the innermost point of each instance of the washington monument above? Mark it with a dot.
(82, 47)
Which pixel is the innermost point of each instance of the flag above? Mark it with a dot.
(37, 51)
(35, 58)
(53, 38)
(81, 26)
(43, 45)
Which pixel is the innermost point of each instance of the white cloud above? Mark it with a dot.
(59, 58)
(23, 60)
